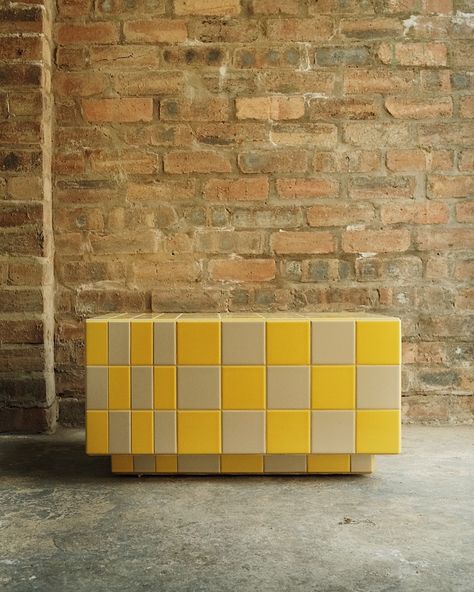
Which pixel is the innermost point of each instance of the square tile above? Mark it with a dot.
(333, 387)
(378, 432)
(243, 432)
(288, 342)
(165, 432)
(285, 463)
(378, 387)
(199, 387)
(243, 342)
(242, 463)
(97, 432)
(166, 463)
(97, 387)
(332, 342)
(122, 463)
(329, 463)
(198, 463)
(243, 387)
(378, 342)
(97, 343)
(333, 431)
(142, 387)
(119, 387)
(288, 387)
(119, 432)
(199, 432)
(362, 463)
(164, 342)
(119, 343)
(144, 463)
(288, 432)
(164, 387)
(142, 432)
(141, 343)
(198, 342)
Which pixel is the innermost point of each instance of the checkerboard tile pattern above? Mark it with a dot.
(243, 393)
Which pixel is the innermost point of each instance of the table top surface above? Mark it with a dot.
(251, 316)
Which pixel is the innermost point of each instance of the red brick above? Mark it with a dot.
(203, 161)
(13, 47)
(465, 212)
(348, 108)
(382, 187)
(154, 83)
(302, 30)
(445, 238)
(405, 108)
(295, 243)
(307, 188)
(421, 54)
(162, 190)
(467, 107)
(276, 108)
(371, 28)
(414, 213)
(202, 109)
(376, 241)
(320, 135)
(368, 135)
(148, 273)
(207, 7)
(378, 81)
(195, 57)
(119, 110)
(230, 242)
(242, 270)
(292, 82)
(450, 186)
(75, 34)
(273, 161)
(352, 161)
(120, 57)
(231, 133)
(406, 160)
(276, 7)
(81, 84)
(155, 31)
(248, 189)
(268, 57)
(74, 8)
(466, 160)
(340, 215)
(229, 30)
(20, 19)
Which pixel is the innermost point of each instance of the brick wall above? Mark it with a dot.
(27, 393)
(264, 155)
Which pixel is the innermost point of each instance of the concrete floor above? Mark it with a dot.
(66, 524)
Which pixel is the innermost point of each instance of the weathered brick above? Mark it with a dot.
(207, 7)
(80, 84)
(368, 135)
(293, 29)
(20, 19)
(352, 161)
(465, 212)
(75, 34)
(406, 160)
(348, 108)
(74, 8)
(273, 161)
(248, 189)
(318, 135)
(276, 108)
(272, 7)
(202, 109)
(421, 54)
(445, 238)
(292, 82)
(378, 81)
(121, 110)
(414, 213)
(155, 31)
(466, 160)
(405, 108)
(242, 270)
(371, 28)
(340, 215)
(224, 30)
(382, 187)
(295, 243)
(346, 56)
(268, 57)
(21, 75)
(226, 134)
(307, 188)
(376, 241)
(203, 161)
(450, 186)
(121, 57)
(162, 190)
(154, 83)
(189, 57)
(230, 241)
(467, 107)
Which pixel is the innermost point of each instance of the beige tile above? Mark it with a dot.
(288, 387)
(199, 387)
(333, 432)
(165, 432)
(119, 343)
(362, 463)
(243, 343)
(285, 463)
(243, 432)
(333, 342)
(119, 432)
(198, 463)
(97, 387)
(378, 387)
(164, 337)
(142, 387)
(144, 463)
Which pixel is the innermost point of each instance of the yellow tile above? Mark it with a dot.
(199, 432)
(199, 342)
(119, 387)
(378, 342)
(242, 463)
(243, 387)
(288, 342)
(97, 432)
(141, 343)
(288, 432)
(164, 387)
(166, 463)
(142, 432)
(97, 343)
(329, 463)
(378, 431)
(333, 387)
(122, 463)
